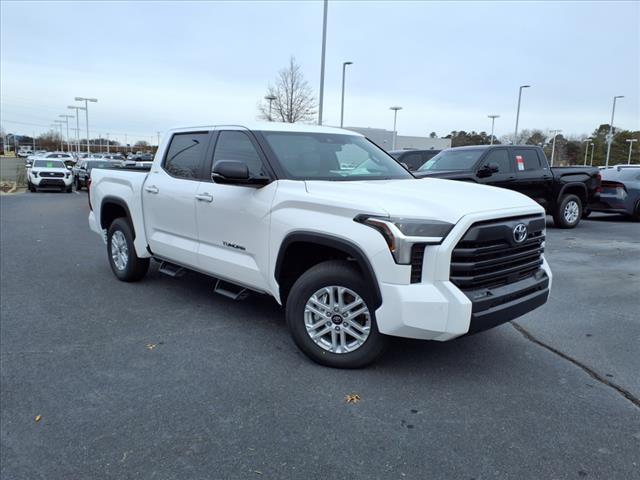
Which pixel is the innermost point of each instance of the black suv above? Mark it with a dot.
(564, 192)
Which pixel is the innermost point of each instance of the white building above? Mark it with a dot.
(384, 139)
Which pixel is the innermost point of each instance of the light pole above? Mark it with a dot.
(593, 146)
(493, 121)
(553, 147)
(270, 98)
(515, 135)
(77, 109)
(610, 137)
(344, 68)
(324, 46)
(586, 149)
(630, 141)
(66, 119)
(395, 117)
(86, 112)
(58, 124)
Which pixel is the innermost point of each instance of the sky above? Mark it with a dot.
(157, 65)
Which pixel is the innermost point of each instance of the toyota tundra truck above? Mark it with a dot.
(333, 228)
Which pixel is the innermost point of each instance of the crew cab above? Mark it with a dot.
(49, 173)
(333, 228)
(564, 192)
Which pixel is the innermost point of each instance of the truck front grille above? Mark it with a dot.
(417, 259)
(51, 174)
(489, 256)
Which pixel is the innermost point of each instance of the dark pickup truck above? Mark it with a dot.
(564, 192)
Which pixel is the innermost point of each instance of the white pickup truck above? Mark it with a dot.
(333, 228)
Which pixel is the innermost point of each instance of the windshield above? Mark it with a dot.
(453, 160)
(327, 156)
(48, 164)
(621, 175)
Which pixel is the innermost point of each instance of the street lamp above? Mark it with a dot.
(493, 121)
(324, 47)
(610, 136)
(66, 119)
(86, 112)
(586, 149)
(58, 123)
(77, 109)
(395, 117)
(344, 68)
(270, 98)
(515, 136)
(553, 147)
(630, 141)
(593, 146)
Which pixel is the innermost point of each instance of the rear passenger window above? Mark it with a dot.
(232, 145)
(412, 160)
(185, 156)
(526, 159)
(501, 158)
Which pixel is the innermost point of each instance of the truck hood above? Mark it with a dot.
(456, 174)
(429, 198)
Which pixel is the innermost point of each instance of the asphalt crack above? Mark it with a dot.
(592, 373)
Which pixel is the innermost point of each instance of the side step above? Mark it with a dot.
(171, 269)
(231, 290)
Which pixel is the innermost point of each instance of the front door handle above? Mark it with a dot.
(204, 197)
(151, 189)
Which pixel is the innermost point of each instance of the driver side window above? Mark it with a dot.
(235, 145)
(501, 158)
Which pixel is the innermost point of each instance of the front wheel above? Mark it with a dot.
(124, 261)
(330, 314)
(568, 212)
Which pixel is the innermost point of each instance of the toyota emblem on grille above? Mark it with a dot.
(520, 233)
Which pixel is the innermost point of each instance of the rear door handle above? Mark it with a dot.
(204, 197)
(151, 189)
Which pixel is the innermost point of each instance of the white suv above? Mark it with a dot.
(49, 173)
(333, 228)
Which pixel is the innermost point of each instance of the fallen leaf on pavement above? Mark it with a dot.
(151, 346)
(38, 418)
(352, 398)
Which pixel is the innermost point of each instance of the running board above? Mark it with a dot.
(171, 269)
(231, 290)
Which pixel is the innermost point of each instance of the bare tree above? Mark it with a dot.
(294, 100)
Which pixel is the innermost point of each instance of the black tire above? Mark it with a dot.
(135, 268)
(636, 212)
(330, 273)
(78, 186)
(561, 218)
(69, 189)
(32, 188)
(586, 213)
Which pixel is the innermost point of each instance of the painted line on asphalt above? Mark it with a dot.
(592, 373)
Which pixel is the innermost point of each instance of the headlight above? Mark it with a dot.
(402, 233)
(35, 174)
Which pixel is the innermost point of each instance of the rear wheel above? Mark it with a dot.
(568, 212)
(78, 185)
(330, 314)
(636, 212)
(124, 261)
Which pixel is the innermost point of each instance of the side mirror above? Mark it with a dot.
(28, 164)
(488, 170)
(235, 172)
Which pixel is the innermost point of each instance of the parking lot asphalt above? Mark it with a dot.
(164, 379)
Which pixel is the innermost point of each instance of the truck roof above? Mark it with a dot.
(495, 145)
(271, 127)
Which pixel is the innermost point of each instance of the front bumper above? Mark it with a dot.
(437, 309)
(52, 182)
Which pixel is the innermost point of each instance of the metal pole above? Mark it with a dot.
(553, 147)
(86, 116)
(630, 140)
(324, 45)
(493, 121)
(395, 133)
(593, 145)
(344, 68)
(586, 150)
(515, 135)
(610, 139)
